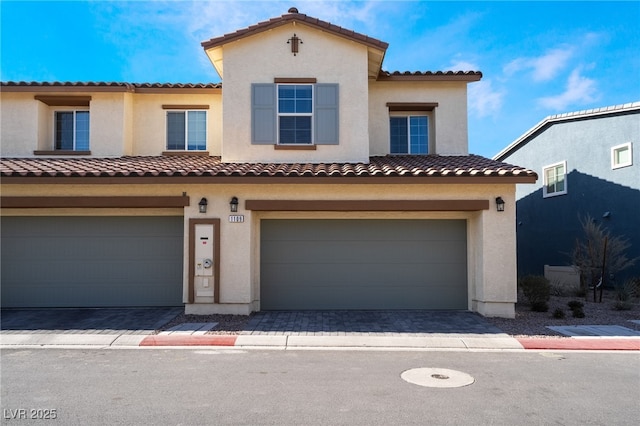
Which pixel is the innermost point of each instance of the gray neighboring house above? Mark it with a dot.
(589, 162)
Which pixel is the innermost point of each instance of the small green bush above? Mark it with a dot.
(558, 314)
(537, 290)
(574, 304)
(578, 313)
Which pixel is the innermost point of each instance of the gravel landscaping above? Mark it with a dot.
(529, 323)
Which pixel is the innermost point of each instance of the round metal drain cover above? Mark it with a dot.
(437, 377)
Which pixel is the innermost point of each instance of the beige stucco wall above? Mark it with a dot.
(328, 58)
(121, 123)
(19, 125)
(448, 121)
(150, 120)
(491, 240)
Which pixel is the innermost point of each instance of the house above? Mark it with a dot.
(590, 167)
(309, 179)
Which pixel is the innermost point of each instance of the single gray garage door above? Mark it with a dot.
(363, 264)
(91, 261)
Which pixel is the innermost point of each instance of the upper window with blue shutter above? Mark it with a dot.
(295, 112)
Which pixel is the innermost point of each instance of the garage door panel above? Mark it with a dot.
(92, 261)
(363, 264)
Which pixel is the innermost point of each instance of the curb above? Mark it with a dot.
(177, 340)
(587, 344)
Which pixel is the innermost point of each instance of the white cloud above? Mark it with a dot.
(579, 90)
(484, 100)
(462, 66)
(544, 67)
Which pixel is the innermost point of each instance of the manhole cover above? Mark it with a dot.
(437, 377)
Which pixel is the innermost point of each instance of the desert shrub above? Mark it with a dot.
(622, 305)
(578, 313)
(539, 307)
(589, 251)
(536, 289)
(629, 290)
(558, 314)
(575, 304)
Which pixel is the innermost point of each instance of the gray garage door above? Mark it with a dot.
(363, 264)
(91, 261)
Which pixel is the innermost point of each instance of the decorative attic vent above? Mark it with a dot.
(294, 41)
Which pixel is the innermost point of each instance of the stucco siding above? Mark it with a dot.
(20, 126)
(490, 254)
(327, 58)
(448, 129)
(547, 228)
(150, 120)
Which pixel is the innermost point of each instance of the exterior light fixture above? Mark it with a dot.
(202, 205)
(294, 42)
(499, 204)
(233, 204)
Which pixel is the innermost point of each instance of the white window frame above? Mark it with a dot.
(408, 115)
(74, 110)
(295, 114)
(545, 194)
(186, 129)
(615, 150)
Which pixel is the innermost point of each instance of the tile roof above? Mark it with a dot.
(435, 166)
(430, 75)
(294, 17)
(118, 86)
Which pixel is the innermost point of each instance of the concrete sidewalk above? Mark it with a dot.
(448, 342)
(408, 330)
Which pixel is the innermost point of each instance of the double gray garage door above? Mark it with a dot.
(91, 261)
(363, 264)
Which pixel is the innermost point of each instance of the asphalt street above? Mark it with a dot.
(221, 386)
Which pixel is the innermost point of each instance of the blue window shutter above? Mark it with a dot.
(263, 114)
(326, 114)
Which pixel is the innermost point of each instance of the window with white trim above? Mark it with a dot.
(295, 113)
(71, 130)
(187, 130)
(409, 134)
(621, 156)
(555, 179)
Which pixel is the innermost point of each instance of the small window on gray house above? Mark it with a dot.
(555, 179)
(621, 156)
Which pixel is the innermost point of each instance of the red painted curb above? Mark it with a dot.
(177, 340)
(582, 344)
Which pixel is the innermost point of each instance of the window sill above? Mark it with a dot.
(61, 152)
(295, 147)
(194, 153)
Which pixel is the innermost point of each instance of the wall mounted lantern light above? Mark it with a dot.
(202, 205)
(233, 204)
(294, 42)
(499, 204)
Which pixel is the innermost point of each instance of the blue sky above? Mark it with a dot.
(537, 58)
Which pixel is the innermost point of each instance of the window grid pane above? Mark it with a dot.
(399, 135)
(64, 130)
(197, 130)
(175, 130)
(82, 131)
(295, 109)
(295, 129)
(418, 131)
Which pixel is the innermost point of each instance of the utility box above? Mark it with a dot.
(204, 267)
